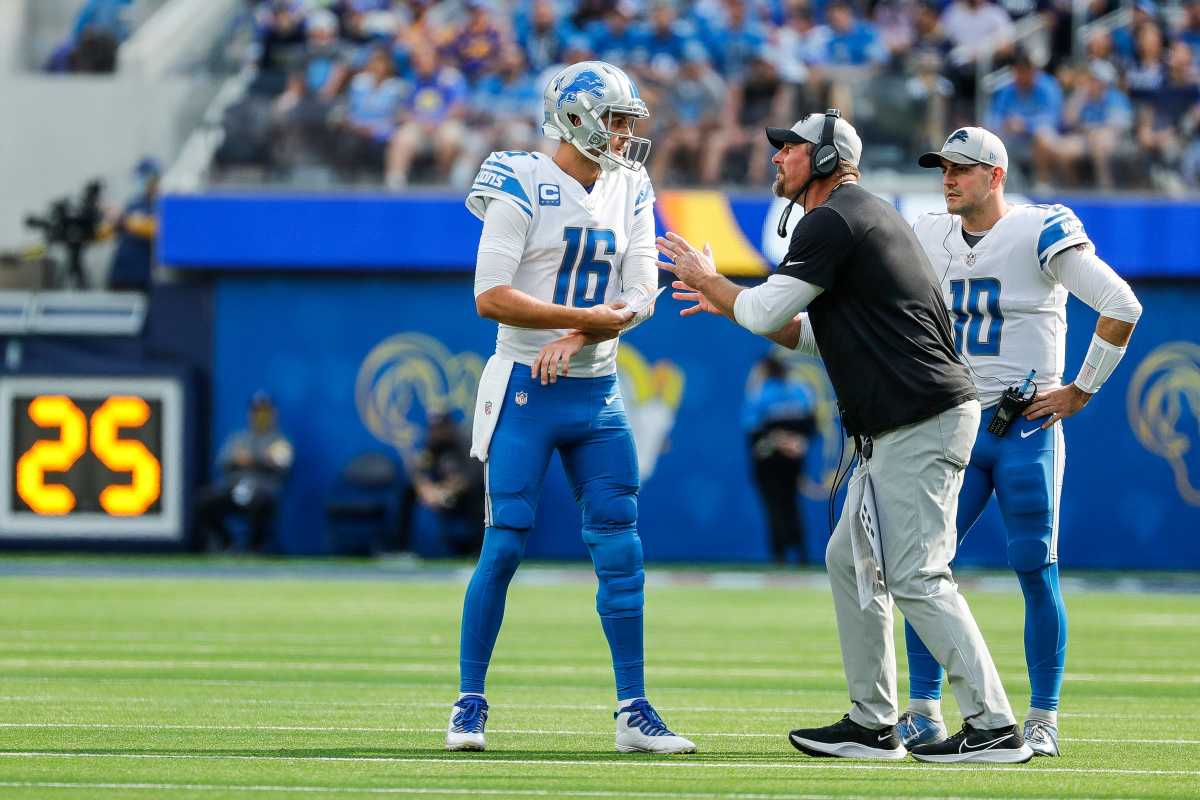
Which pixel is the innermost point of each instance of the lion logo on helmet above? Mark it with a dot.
(1164, 410)
(585, 82)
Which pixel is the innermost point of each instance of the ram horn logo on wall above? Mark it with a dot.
(651, 393)
(407, 377)
(1164, 411)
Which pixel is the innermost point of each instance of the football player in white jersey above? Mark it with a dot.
(1006, 270)
(566, 262)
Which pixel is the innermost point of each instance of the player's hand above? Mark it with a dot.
(1057, 404)
(606, 321)
(689, 264)
(690, 295)
(555, 357)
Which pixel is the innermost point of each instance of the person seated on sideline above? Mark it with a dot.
(448, 482)
(254, 465)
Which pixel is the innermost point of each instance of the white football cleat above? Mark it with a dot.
(467, 720)
(1042, 737)
(641, 730)
(917, 729)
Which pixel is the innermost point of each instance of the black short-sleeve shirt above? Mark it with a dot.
(880, 323)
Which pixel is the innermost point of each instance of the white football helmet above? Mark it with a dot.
(580, 103)
(549, 127)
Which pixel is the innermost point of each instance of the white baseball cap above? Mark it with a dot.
(809, 129)
(969, 146)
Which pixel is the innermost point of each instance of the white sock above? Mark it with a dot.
(470, 694)
(1043, 715)
(623, 704)
(927, 708)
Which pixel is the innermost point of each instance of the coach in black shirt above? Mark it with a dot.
(876, 316)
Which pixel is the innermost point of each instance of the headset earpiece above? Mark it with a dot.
(824, 162)
(825, 156)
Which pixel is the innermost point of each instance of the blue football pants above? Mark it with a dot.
(584, 420)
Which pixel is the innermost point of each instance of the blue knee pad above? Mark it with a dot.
(619, 570)
(609, 510)
(1028, 511)
(512, 511)
(1028, 555)
(501, 554)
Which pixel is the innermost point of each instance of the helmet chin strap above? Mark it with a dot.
(603, 158)
(590, 156)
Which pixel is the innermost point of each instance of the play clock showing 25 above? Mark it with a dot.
(91, 458)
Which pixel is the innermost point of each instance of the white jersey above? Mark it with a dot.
(1008, 308)
(576, 247)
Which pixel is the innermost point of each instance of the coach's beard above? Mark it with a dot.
(777, 189)
(777, 186)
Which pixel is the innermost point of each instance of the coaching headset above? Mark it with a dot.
(824, 161)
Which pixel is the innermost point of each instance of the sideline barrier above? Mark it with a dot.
(1140, 238)
(353, 363)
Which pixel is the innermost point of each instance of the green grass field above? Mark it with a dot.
(188, 685)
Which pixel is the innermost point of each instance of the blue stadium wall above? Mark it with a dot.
(357, 315)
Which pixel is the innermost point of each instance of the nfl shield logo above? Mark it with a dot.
(522, 398)
(487, 407)
(971, 259)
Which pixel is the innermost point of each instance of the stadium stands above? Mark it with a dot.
(418, 91)
(95, 31)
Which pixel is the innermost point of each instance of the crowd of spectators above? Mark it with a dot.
(411, 91)
(1124, 115)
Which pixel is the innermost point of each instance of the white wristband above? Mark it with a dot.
(1101, 359)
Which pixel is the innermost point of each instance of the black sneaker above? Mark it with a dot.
(847, 739)
(997, 746)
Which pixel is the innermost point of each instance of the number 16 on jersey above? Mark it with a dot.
(587, 256)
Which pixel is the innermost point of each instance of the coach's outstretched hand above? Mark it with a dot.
(690, 295)
(689, 264)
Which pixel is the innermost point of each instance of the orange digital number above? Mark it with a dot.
(125, 455)
(52, 411)
(59, 455)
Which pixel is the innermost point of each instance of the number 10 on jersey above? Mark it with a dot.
(978, 322)
(588, 262)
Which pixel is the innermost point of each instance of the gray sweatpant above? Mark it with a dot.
(916, 472)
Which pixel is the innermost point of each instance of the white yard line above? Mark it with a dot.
(388, 667)
(154, 726)
(680, 762)
(391, 650)
(449, 790)
(546, 669)
(390, 654)
(384, 790)
(217, 637)
(780, 664)
(399, 705)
